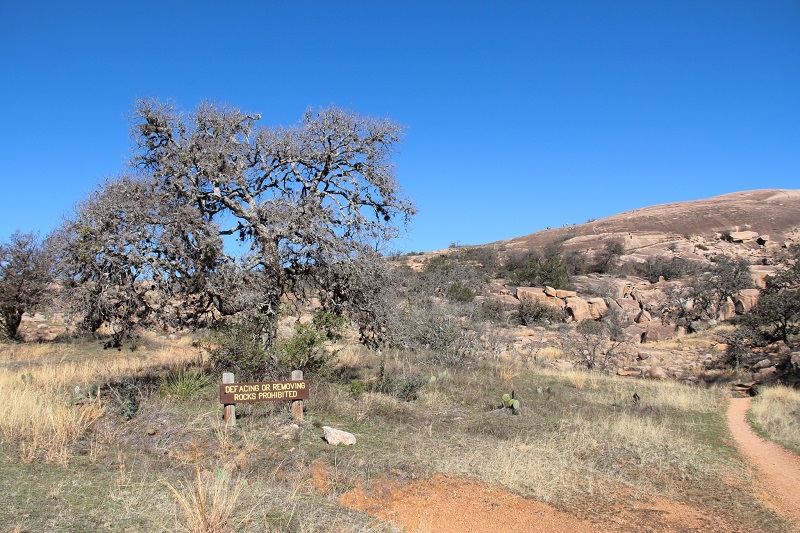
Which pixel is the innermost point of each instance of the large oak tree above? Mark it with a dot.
(303, 201)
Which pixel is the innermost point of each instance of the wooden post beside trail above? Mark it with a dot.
(230, 408)
(297, 405)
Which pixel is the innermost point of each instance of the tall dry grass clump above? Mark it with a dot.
(776, 413)
(41, 421)
(38, 407)
(207, 504)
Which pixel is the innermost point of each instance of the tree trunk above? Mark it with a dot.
(11, 321)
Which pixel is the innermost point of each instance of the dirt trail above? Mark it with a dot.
(777, 470)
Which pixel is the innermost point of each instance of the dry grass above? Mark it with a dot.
(44, 400)
(776, 413)
(581, 379)
(507, 373)
(555, 452)
(43, 422)
(579, 434)
(549, 353)
(207, 504)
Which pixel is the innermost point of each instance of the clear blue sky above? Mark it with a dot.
(520, 115)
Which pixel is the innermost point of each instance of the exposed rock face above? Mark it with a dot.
(764, 363)
(535, 294)
(597, 308)
(743, 236)
(505, 299)
(336, 437)
(578, 309)
(727, 310)
(794, 360)
(765, 374)
(630, 308)
(497, 288)
(656, 331)
(655, 372)
(745, 300)
(635, 332)
(760, 272)
(644, 316)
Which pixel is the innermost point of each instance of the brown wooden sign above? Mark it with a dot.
(230, 393)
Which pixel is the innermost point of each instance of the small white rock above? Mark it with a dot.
(335, 436)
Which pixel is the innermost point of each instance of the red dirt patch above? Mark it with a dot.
(445, 504)
(320, 479)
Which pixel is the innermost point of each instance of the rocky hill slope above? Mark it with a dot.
(757, 226)
(772, 213)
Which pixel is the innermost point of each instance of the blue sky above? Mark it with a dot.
(519, 115)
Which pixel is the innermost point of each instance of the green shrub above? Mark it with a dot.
(183, 383)
(408, 387)
(403, 388)
(303, 351)
(493, 311)
(329, 324)
(538, 313)
(458, 292)
(660, 266)
(356, 388)
(533, 270)
(237, 348)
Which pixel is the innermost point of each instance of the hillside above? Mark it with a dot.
(771, 212)
(649, 289)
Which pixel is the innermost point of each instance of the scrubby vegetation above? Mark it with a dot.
(575, 438)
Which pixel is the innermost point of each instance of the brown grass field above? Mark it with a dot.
(95, 440)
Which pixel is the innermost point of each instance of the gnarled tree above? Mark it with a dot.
(25, 278)
(302, 199)
(132, 256)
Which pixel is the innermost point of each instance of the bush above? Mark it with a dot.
(660, 266)
(183, 383)
(538, 313)
(447, 340)
(493, 311)
(329, 324)
(303, 351)
(533, 270)
(404, 388)
(458, 292)
(606, 259)
(237, 348)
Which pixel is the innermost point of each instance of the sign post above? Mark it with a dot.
(297, 405)
(230, 393)
(230, 408)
